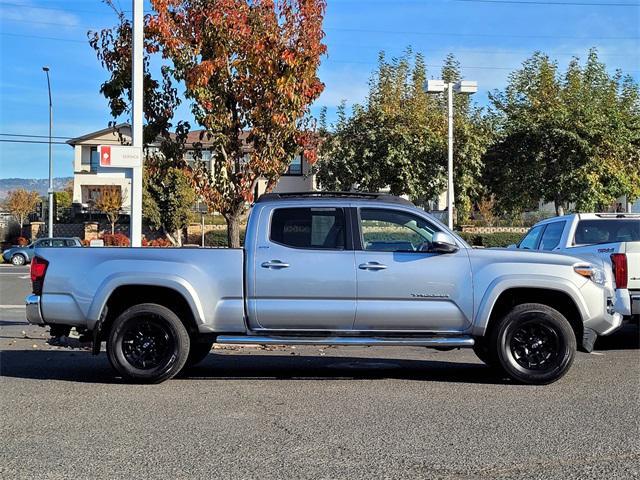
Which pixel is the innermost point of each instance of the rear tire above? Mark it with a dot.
(198, 352)
(534, 344)
(148, 344)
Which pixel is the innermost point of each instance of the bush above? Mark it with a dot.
(115, 240)
(218, 238)
(488, 240)
(158, 242)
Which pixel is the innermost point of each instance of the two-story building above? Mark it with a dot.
(89, 178)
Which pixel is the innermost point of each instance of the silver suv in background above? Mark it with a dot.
(326, 269)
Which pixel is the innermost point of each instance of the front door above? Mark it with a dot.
(304, 272)
(401, 285)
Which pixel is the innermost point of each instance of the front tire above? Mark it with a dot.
(18, 260)
(535, 344)
(148, 344)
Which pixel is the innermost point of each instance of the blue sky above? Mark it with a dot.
(489, 37)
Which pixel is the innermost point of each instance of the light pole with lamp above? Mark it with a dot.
(50, 191)
(439, 86)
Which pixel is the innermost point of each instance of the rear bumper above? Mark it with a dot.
(34, 313)
(635, 303)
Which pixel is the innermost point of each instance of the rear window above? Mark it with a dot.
(313, 228)
(607, 231)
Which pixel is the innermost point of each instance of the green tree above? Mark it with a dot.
(572, 138)
(168, 197)
(398, 138)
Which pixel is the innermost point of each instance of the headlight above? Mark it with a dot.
(595, 274)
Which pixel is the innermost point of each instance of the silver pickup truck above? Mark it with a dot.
(326, 269)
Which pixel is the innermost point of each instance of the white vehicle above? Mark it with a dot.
(614, 237)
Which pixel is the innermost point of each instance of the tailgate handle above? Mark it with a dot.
(277, 264)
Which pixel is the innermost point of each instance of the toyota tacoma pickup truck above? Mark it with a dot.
(613, 237)
(326, 269)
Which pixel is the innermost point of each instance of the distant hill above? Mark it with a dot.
(40, 185)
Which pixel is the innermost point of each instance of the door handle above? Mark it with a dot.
(277, 264)
(372, 266)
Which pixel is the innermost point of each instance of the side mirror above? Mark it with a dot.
(442, 242)
(513, 246)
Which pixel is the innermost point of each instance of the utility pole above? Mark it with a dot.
(135, 226)
(50, 190)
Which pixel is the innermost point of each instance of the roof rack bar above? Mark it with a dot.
(386, 197)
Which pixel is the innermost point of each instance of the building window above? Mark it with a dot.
(94, 162)
(295, 167)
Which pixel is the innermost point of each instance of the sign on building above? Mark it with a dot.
(120, 156)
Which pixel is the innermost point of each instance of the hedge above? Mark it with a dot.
(218, 238)
(488, 240)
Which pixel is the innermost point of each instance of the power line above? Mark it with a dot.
(458, 34)
(561, 4)
(37, 7)
(30, 136)
(6, 140)
(10, 34)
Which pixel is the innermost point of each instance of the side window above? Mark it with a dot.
(551, 236)
(43, 243)
(530, 240)
(70, 243)
(312, 228)
(57, 243)
(386, 230)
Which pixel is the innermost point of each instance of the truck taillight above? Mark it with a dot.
(620, 270)
(38, 271)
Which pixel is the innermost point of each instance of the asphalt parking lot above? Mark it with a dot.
(311, 412)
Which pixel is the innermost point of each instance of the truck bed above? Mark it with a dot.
(210, 279)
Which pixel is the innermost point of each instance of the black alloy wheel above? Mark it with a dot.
(148, 343)
(534, 344)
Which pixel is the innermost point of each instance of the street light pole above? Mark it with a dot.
(439, 86)
(50, 191)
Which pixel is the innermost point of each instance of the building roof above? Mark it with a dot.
(99, 133)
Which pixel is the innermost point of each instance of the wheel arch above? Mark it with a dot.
(122, 296)
(555, 293)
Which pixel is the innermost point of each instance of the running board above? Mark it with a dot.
(446, 342)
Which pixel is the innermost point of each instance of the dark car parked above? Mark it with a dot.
(22, 255)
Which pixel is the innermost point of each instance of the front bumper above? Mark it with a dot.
(34, 313)
(603, 313)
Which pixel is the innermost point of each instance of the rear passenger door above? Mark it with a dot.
(303, 272)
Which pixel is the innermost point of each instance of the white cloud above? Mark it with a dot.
(37, 17)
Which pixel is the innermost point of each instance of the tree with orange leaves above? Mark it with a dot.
(249, 68)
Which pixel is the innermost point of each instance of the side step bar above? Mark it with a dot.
(458, 341)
